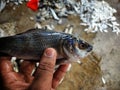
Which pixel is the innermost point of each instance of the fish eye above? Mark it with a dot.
(82, 46)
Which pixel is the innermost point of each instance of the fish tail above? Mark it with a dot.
(4, 44)
(8, 45)
(4, 54)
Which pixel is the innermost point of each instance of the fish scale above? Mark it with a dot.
(32, 43)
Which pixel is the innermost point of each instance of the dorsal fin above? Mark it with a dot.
(28, 31)
(32, 30)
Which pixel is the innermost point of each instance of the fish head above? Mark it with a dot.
(75, 49)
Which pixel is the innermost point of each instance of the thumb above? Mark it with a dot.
(44, 72)
(47, 63)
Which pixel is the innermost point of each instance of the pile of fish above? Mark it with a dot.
(96, 15)
(2, 33)
(3, 3)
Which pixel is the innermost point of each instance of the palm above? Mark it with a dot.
(13, 80)
(24, 80)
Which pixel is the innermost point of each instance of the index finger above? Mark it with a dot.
(5, 65)
(59, 74)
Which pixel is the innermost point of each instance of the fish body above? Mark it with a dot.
(31, 44)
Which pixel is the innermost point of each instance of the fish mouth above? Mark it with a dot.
(90, 48)
(76, 55)
(81, 53)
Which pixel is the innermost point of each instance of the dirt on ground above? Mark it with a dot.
(102, 63)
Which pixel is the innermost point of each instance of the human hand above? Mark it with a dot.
(43, 79)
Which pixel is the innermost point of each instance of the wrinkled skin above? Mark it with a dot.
(43, 79)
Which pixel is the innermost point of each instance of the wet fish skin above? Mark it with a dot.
(31, 44)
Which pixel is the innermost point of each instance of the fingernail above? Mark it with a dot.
(49, 53)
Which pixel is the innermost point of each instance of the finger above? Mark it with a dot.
(6, 69)
(9, 77)
(44, 72)
(26, 68)
(59, 75)
(5, 65)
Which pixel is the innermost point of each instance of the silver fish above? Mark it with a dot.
(31, 44)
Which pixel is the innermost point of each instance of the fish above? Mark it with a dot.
(30, 45)
(2, 5)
